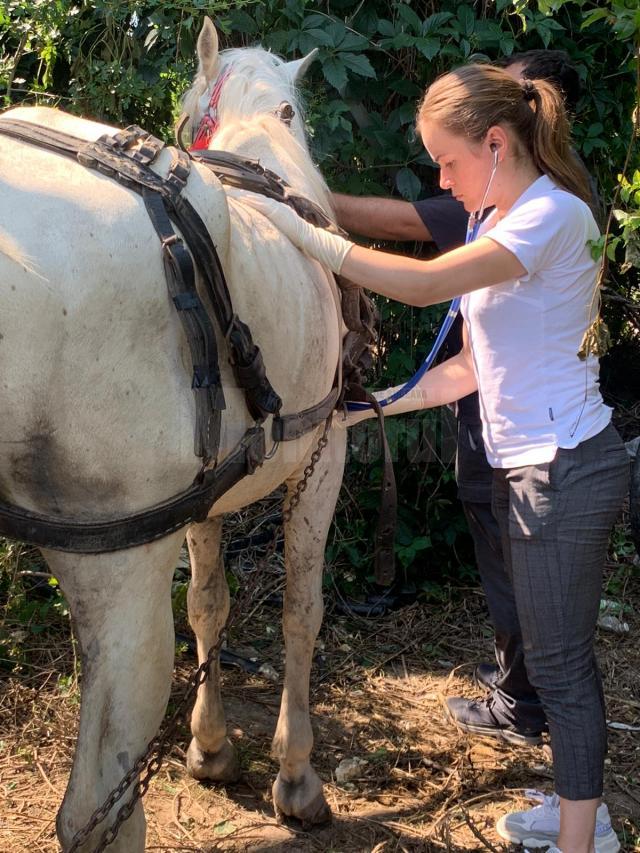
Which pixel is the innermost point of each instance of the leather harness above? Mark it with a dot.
(126, 157)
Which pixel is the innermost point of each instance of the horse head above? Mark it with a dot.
(245, 100)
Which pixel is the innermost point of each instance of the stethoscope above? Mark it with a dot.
(473, 226)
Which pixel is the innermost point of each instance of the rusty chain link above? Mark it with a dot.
(150, 761)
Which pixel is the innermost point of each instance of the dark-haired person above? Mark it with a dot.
(512, 710)
(528, 284)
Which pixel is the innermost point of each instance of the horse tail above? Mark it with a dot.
(10, 249)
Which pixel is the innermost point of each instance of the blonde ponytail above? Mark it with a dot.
(550, 146)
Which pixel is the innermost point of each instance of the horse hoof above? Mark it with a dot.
(303, 800)
(220, 766)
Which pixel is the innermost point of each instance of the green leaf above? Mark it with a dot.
(592, 17)
(434, 22)
(358, 63)
(612, 245)
(354, 41)
(408, 184)
(467, 20)
(314, 38)
(405, 114)
(407, 88)
(242, 22)
(335, 72)
(311, 22)
(450, 535)
(224, 829)
(386, 28)
(595, 129)
(507, 44)
(410, 18)
(336, 33)
(429, 47)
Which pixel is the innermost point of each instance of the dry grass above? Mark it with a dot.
(377, 694)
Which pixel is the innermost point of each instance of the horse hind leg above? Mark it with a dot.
(210, 754)
(297, 790)
(121, 609)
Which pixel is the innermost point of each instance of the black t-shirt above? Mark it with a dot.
(447, 222)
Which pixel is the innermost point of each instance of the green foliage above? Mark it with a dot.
(127, 62)
(29, 603)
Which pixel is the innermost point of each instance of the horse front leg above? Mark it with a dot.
(121, 609)
(297, 790)
(210, 754)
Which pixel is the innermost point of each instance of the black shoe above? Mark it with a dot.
(484, 718)
(485, 676)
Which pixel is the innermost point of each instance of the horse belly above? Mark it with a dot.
(287, 301)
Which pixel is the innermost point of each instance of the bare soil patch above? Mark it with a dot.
(377, 692)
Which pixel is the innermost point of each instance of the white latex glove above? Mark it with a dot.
(329, 249)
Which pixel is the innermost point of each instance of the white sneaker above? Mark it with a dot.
(540, 826)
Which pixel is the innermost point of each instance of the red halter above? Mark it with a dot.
(209, 124)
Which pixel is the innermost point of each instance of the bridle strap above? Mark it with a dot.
(209, 122)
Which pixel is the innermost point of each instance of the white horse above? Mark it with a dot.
(98, 422)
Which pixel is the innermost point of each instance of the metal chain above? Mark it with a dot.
(150, 761)
(308, 472)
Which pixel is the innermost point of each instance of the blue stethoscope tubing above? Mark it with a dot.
(452, 313)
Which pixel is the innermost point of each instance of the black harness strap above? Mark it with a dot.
(95, 537)
(290, 427)
(206, 383)
(250, 175)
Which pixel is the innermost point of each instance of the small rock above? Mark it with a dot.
(268, 672)
(349, 769)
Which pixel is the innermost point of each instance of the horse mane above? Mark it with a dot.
(248, 101)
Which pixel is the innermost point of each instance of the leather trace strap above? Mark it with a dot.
(384, 561)
(97, 537)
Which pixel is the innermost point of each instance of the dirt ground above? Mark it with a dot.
(377, 692)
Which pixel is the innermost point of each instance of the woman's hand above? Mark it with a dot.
(329, 249)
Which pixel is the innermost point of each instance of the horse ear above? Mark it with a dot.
(297, 68)
(208, 50)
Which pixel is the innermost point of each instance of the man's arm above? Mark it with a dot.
(380, 218)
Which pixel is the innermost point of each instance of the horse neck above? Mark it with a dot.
(269, 141)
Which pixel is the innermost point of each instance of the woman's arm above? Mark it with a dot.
(416, 282)
(446, 383)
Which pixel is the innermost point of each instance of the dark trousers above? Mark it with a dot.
(515, 697)
(555, 519)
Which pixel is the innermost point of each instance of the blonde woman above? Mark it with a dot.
(560, 470)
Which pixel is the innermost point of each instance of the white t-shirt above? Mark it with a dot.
(535, 393)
